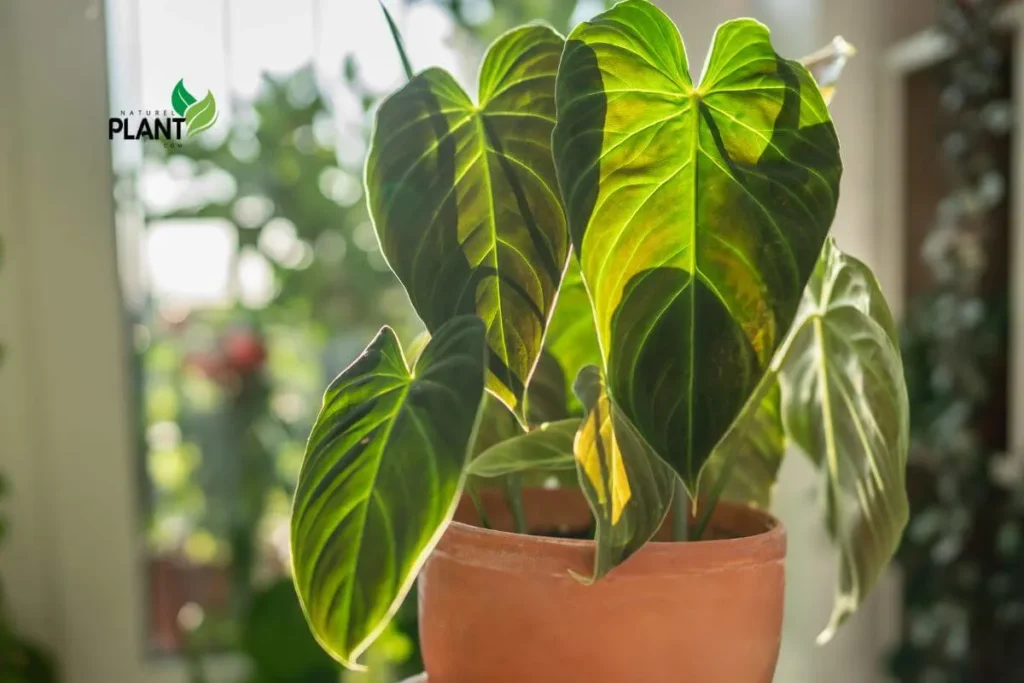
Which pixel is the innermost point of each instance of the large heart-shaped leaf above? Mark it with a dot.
(465, 202)
(697, 213)
(844, 402)
(383, 469)
(628, 487)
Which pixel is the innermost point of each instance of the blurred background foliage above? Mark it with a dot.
(227, 393)
(963, 551)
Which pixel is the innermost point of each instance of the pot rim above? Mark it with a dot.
(509, 551)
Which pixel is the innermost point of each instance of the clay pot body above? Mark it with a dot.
(498, 607)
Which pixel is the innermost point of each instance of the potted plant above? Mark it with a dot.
(598, 213)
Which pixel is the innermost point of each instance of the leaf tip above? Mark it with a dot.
(845, 605)
(583, 579)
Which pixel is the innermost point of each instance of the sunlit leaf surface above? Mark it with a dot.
(382, 472)
(465, 202)
(697, 213)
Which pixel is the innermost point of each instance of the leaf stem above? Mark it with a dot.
(711, 500)
(680, 511)
(514, 499)
(485, 522)
(397, 37)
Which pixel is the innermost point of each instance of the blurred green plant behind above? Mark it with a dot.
(227, 395)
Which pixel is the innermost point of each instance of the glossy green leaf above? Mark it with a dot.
(382, 473)
(181, 99)
(628, 487)
(465, 202)
(548, 447)
(572, 338)
(745, 464)
(697, 213)
(201, 115)
(844, 402)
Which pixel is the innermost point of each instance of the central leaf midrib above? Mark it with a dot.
(478, 122)
(694, 143)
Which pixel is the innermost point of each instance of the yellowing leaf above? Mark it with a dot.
(627, 486)
(600, 458)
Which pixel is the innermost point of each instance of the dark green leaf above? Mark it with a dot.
(844, 402)
(628, 487)
(181, 99)
(465, 202)
(383, 470)
(697, 213)
(549, 447)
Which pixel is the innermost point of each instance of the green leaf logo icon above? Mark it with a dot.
(181, 99)
(199, 114)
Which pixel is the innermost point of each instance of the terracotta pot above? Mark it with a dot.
(498, 607)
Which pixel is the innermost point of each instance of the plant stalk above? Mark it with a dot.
(711, 500)
(485, 522)
(406, 64)
(514, 499)
(680, 511)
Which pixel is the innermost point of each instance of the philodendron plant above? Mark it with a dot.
(597, 212)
